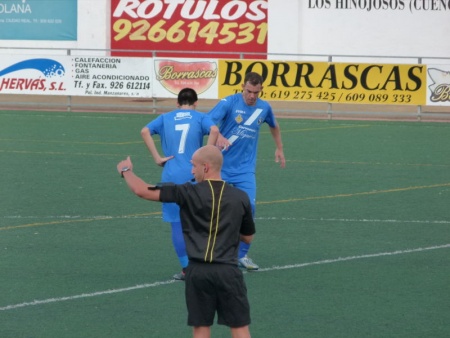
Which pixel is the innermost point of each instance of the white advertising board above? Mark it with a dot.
(76, 75)
(111, 76)
(397, 28)
(22, 74)
(173, 74)
(438, 85)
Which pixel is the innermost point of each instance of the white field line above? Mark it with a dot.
(351, 258)
(157, 284)
(158, 216)
(352, 220)
(84, 295)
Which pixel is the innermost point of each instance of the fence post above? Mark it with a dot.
(69, 97)
(154, 100)
(419, 107)
(330, 104)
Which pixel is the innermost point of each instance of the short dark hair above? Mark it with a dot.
(187, 96)
(253, 78)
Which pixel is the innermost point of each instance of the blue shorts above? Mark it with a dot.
(245, 182)
(170, 212)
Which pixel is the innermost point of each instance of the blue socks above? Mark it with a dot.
(243, 249)
(178, 244)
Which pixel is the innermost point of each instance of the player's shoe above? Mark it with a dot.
(246, 262)
(179, 276)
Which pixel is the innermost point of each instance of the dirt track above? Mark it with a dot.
(281, 108)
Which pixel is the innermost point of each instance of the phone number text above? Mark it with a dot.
(309, 95)
(180, 31)
(132, 85)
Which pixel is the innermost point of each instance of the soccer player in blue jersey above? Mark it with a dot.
(239, 118)
(181, 132)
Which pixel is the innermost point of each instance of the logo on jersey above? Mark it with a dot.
(183, 116)
(239, 119)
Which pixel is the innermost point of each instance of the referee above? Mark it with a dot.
(215, 217)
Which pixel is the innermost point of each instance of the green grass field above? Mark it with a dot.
(353, 236)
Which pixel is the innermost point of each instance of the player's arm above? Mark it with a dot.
(136, 184)
(218, 115)
(150, 143)
(213, 135)
(222, 142)
(279, 153)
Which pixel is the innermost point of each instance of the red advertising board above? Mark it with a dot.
(204, 28)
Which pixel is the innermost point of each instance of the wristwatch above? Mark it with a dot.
(124, 169)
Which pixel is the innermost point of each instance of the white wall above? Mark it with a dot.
(299, 26)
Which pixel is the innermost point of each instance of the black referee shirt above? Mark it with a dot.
(213, 215)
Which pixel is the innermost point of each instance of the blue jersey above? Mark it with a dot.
(240, 124)
(181, 132)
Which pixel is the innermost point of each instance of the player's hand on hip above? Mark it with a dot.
(162, 162)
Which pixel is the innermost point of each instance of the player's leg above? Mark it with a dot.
(180, 248)
(171, 214)
(201, 332)
(248, 184)
(240, 332)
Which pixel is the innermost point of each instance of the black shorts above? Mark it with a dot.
(216, 287)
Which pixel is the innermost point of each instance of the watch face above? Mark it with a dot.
(125, 169)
